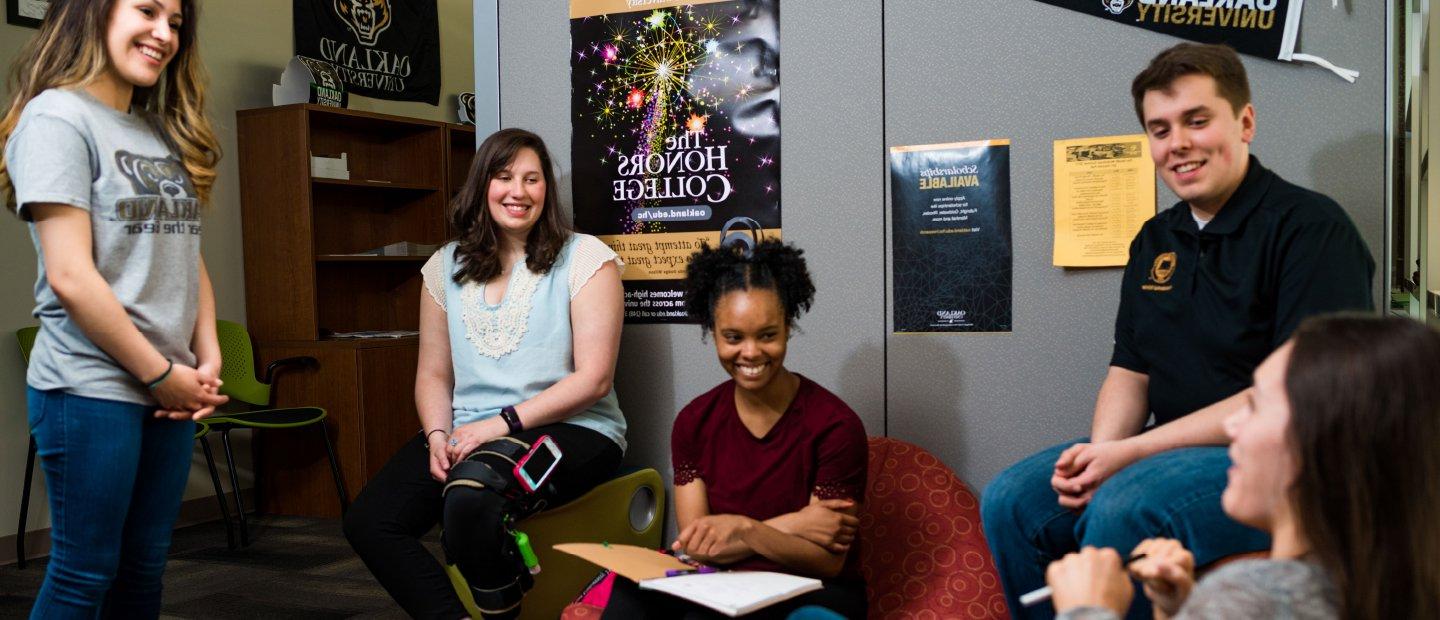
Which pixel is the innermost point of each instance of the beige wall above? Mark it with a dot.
(245, 45)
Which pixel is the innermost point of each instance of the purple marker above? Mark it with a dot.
(702, 570)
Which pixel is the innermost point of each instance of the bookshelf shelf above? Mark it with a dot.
(343, 258)
(368, 183)
(302, 281)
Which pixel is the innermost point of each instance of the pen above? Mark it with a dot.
(703, 570)
(1035, 597)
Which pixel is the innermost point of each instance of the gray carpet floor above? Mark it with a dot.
(295, 567)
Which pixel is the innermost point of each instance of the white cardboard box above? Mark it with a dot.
(330, 167)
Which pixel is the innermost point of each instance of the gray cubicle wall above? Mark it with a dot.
(1017, 69)
(956, 70)
(831, 205)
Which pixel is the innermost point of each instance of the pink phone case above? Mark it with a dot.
(535, 447)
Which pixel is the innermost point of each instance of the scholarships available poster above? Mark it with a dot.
(950, 208)
(1104, 193)
(676, 131)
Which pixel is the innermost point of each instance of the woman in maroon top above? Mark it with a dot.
(768, 465)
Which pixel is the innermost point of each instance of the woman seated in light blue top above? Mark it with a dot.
(519, 329)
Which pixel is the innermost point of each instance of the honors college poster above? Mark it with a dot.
(675, 133)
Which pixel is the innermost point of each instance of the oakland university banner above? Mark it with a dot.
(1264, 28)
(950, 211)
(675, 134)
(388, 49)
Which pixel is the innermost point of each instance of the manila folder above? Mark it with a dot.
(629, 561)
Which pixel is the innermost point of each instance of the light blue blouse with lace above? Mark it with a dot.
(506, 353)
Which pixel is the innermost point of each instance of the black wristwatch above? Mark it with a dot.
(512, 419)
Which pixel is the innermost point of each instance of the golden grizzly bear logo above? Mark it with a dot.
(366, 18)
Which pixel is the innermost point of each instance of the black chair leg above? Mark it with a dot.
(25, 506)
(335, 470)
(235, 488)
(219, 493)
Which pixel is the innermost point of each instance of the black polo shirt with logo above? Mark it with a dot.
(1200, 309)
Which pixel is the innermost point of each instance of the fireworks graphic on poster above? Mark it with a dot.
(697, 76)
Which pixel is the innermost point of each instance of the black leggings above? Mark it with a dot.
(629, 602)
(402, 503)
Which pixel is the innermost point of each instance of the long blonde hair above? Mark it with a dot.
(70, 50)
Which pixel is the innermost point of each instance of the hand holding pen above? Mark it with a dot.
(1167, 572)
(1091, 578)
(698, 568)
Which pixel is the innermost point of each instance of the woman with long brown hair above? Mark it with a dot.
(108, 157)
(520, 322)
(1337, 456)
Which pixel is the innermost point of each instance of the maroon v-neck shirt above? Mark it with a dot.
(818, 447)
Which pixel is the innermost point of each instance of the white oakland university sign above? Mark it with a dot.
(382, 48)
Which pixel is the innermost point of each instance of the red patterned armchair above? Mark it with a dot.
(922, 551)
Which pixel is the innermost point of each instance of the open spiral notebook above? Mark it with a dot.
(732, 593)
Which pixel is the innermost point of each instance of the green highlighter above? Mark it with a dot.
(522, 542)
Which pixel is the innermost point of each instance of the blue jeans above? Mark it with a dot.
(115, 477)
(1174, 494)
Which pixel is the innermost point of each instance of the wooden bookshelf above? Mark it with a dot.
(303, 280)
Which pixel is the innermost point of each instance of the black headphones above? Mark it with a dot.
(745, 239)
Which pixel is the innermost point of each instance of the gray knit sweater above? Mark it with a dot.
(1250, 589)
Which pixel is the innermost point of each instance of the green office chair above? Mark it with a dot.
(26, 337)
(240, 383)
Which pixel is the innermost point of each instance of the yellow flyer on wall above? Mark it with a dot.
(1104, 192)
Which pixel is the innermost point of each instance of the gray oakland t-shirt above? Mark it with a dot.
(69, 148)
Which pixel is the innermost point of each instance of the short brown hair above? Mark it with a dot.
(1220, 62)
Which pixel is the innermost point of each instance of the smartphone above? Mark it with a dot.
(535, 467)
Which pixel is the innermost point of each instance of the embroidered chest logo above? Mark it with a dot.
(1160, 273)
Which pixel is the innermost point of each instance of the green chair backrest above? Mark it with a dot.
(26, 336)
(238, 369)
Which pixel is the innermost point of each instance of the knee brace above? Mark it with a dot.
(489, 470)
(489, 467)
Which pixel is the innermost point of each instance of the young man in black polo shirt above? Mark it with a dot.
(1214, 284)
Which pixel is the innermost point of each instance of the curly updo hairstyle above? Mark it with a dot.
(773, 265)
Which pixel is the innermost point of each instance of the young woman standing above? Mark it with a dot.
(108, 157)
